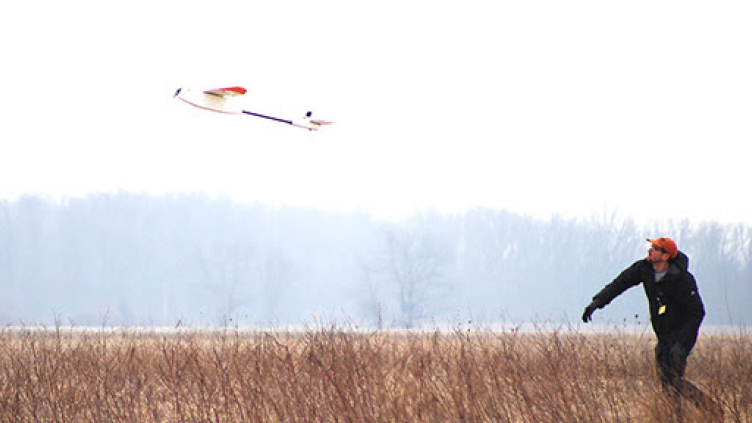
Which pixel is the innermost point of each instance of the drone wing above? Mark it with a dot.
(227, 92)
(319, 122)
(216, 100)
(311, 124)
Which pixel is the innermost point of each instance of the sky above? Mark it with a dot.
(574, 108)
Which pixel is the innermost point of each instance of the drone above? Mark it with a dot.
(216, 100)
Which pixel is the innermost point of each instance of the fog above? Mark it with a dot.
(193, 261)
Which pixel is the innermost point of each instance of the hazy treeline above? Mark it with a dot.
(131, 259)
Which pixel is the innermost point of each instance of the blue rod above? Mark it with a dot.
(289, 122)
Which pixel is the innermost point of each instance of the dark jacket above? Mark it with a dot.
(677, 291)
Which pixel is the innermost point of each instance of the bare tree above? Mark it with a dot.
(371, 295)
(224, 271)
(415, 265)
(279, 272)
(7, 280)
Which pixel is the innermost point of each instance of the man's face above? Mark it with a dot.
(656, 254)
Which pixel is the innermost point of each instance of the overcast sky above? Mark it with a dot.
(571, 107)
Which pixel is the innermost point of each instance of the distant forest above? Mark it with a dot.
(133, 259)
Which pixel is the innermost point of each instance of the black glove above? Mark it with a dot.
(587, 315)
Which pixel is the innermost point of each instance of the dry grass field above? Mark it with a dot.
(333, 374)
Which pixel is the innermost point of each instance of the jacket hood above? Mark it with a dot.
(681, 261)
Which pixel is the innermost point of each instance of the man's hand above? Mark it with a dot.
(588, 314)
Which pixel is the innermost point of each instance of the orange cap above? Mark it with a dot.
(666, 244)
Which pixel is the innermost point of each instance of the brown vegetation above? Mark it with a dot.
(334, 374)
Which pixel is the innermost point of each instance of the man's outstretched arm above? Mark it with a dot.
(626, 279)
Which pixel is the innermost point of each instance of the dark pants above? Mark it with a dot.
(671, 356)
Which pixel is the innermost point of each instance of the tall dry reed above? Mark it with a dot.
(333, 374)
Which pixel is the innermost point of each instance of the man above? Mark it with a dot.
(676, 312)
